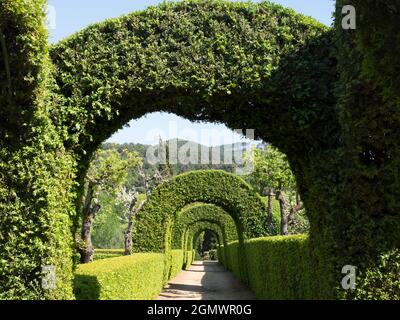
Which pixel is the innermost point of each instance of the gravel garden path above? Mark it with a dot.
(205, 280)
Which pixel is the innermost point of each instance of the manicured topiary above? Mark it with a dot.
(219, 188)
(329, 99)
(278, 267)
(176, 262)
(203, 212)
(135, 277)
(36, 172)
(196, 228)
(368, 95)
(107, 253)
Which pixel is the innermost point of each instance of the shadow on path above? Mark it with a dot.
(205, 280)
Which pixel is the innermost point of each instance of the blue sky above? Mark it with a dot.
(73, 15)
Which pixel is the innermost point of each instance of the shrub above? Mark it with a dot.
(278, 267)
(213, 254)
(107, 253)
(219, 188)
(232, 258)
(189, 258)
(176, 262)
(202, 212)
(135, 277)
(37, 176)
(381, 282)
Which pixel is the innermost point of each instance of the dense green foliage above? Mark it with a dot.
(111, 220)
(177, 262)
(272, 173)
(111, 72)
(188, 258)
(369, 113)
(100, 254)
(37, 178)
(202, 212)
(328, 99)
(135, 277)
(278, 267)
(271, 170)
(222, 189)
(109, 225)
(383, 277)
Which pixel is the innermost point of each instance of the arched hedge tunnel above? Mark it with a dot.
(198, 213)
(155, 223)
(206, 212)
(310, 90)
(194, 230)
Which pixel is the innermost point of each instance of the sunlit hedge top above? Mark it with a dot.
(210, 60)
(200, 212)
(220, 188)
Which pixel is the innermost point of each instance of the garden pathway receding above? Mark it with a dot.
(205, 280)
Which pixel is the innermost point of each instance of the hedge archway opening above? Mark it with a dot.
(200, 212)
(233, 63)
(205, 212)
(195, 229)
(154, 225)
(257, 66)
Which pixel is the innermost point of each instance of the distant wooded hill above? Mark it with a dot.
(223, 157)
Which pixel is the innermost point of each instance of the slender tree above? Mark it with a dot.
(165, 168)
(107, 173)
(135, 204)
(272, 174)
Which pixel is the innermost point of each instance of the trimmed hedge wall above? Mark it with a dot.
(135, 277)
(177, 262)
(229, 256)
(107, 253)
(368, 94)
(189, 258)
(279, 267)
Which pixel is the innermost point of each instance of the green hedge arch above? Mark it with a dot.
(203, 60)
(154, 224)
(202, 212)
(255, 65)
(196, 228)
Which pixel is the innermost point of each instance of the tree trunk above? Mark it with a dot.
(89, 213)
(128, 233)
(270, 211)
(299, 206)
(280, 196)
